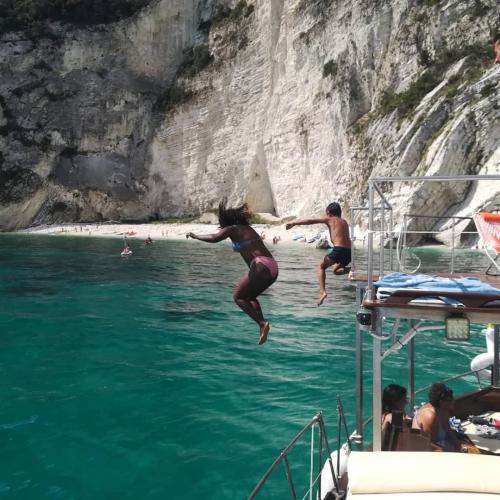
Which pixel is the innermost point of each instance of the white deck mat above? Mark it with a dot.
(420, 472)
(424, 496)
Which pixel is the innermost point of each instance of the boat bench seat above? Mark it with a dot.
(422, 475)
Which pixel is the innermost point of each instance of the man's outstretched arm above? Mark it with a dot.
(306, 222)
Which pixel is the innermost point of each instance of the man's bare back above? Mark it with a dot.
(339, 231)
(338, 228)
(340, 255)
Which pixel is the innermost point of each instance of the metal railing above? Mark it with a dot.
(402, 248)
(375, 189)
(356, 212)
(316, 421)
(407, 218)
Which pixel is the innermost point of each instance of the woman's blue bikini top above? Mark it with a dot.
(239, 246)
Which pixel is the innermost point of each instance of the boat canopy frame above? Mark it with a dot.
(400, 306)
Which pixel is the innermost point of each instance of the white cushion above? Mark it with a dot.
(430, 495)
(416, 472)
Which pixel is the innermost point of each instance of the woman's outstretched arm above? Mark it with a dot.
(306, 222)
(224, 233)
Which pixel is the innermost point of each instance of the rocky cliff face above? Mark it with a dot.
(284, 104)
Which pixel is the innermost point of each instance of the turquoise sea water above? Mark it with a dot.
(138, 377)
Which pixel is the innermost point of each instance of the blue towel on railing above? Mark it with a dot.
(435, 283)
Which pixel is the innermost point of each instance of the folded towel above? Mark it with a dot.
(435, 283)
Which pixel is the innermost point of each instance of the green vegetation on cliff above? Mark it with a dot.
(225, 13)
(405, 102)
(20, 15)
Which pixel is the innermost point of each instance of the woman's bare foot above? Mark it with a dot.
(264, 330)
(322, 297)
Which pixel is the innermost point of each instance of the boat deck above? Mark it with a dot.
(485, 278)
(404, 303)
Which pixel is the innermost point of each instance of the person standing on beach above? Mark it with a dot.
(263, 269)
(340, 255)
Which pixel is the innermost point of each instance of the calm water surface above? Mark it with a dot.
(137, 377)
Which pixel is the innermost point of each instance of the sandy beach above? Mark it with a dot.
(171, 231)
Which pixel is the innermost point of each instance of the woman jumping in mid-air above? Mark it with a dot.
(263, 269)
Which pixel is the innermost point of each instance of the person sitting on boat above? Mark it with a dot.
(340, 255)
(394, 400)
(263, 269)
(394, 419)
(432, 419)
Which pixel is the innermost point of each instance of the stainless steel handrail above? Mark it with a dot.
(404, 232)
(283, 456)
(455, 377)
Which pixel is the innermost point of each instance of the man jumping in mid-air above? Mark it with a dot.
(340, 255)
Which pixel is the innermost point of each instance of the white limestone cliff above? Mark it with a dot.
(295, 104)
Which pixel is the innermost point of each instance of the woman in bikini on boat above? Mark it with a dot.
(263, 269)
(432, 418)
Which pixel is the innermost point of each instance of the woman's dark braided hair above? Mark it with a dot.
(392, 394)
(439, 392)
(233, 216)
